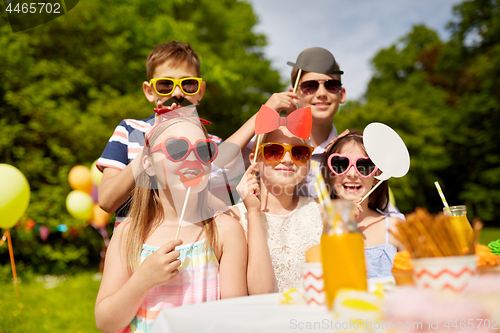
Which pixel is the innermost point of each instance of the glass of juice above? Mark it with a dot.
(458, 218)
(342, 252)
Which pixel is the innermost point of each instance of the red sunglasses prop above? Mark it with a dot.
(178, 148)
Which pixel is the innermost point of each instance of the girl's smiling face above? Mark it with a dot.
(285, 173)
(187, 172)
(350, 185)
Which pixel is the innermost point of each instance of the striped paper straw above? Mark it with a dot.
(323, 191)
(441, 194)
(318, 193)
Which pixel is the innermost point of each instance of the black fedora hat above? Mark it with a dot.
(317, 60)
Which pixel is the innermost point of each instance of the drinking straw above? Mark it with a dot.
(323, 192)
(318, 193)
(441, 194)
(182, 213)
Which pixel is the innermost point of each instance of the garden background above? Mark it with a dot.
(66, 84)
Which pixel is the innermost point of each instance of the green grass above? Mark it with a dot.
(488, 235)
(67, 307)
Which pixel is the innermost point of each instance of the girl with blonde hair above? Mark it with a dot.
(146, 268)
(280, 227)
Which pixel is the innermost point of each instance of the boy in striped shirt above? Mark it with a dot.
(173, 70)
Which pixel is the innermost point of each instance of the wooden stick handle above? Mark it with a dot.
(258, 135)
(297, 81)
(373, 189)
(182, 213)
(4, 238)
(256, 148)
(12, 263)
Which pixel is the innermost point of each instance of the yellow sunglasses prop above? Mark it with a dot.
(166, 86)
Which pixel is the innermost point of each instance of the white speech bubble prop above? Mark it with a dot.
(387, 150)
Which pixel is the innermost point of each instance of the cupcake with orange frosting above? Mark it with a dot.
(402, 268)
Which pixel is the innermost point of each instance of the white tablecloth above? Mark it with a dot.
(255, 314)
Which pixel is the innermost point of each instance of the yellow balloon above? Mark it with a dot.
(100, 217)
(14, 195)
(95, 174)
(79, 178)
(79, 205)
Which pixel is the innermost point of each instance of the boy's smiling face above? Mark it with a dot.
(166, 70)
(323, 104)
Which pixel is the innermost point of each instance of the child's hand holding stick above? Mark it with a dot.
(162, 265)
(249, 190)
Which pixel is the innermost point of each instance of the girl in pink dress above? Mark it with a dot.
(146, 270)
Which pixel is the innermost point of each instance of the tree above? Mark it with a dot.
(66, 84)
(401, 95)
(471, 62)
(443, 98)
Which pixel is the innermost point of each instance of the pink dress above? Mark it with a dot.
(198, 281)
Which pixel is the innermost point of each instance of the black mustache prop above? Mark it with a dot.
(179, 101)
(187, 108)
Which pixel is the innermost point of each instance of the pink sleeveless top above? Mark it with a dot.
(198, 281)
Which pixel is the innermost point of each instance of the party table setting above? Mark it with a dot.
(444, 281)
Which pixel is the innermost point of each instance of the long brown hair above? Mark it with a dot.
(146, 210)
(379, 199)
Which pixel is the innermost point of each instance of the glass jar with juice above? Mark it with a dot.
(342, 252)
(459, 221)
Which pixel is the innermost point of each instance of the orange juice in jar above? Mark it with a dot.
(458, 218)
(342, 252)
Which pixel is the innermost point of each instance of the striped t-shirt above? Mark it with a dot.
(197, 281)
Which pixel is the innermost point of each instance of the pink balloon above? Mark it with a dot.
(44, 232)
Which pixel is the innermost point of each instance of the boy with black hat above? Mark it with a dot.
(316, 83)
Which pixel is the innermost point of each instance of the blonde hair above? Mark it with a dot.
(146, 210)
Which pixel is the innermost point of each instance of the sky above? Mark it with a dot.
(353, 31)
